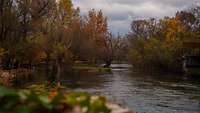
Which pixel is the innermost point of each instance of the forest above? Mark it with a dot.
(49, 32)
(55, 35)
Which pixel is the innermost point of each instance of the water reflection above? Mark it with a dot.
(144, 93)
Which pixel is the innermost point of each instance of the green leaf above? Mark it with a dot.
(24, 109)
(57, 99)
(7, 92)
(44, 100)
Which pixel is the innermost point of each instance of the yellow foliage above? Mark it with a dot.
(173, 29)
(66, 6)
(2, 51)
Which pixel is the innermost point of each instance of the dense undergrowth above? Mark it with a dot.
(42, 99)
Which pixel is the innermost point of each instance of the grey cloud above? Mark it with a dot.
(121, 12)
(174, 3)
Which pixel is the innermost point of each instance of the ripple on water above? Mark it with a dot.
(144, 93)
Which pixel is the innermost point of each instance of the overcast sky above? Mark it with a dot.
(120, 13)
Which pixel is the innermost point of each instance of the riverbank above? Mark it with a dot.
(90, 68)
(8, 77)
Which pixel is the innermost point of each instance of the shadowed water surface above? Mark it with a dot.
(143, 93)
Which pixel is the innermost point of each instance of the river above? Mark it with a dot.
(143, 93)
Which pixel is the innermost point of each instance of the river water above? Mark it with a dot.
(143, 93)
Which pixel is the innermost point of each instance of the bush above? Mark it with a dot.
(31, 101)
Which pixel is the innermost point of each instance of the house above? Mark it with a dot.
(191, 58)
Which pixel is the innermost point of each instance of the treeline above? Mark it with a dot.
(159, 44)
(54, 33)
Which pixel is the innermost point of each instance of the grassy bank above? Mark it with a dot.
(91, 68)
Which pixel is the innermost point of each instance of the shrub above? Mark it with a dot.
(30, 101)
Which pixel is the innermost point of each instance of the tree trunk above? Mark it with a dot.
(108, 63)
(58, 71)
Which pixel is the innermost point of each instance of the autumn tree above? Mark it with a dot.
(159, 43)
(35, 31)
(113, 49)
(96, 30)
